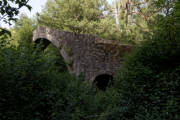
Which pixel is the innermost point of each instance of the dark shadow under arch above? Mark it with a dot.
(103, 80)
(42, 42)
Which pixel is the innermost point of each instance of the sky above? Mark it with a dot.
(36, 5)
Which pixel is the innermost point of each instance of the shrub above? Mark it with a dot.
(25, 87)
(148, 85)
(32, 88)
(75, 101)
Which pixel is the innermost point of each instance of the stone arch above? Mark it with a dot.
(45, 43)
(85, 53)
(103, 80)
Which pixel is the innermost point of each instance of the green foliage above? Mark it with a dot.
(148, 85)
(75, 101)
(9, 9)
(31, 88)
(132, 18)
(22, 32)
(53, 54)
(25, 87)
(79, 12)
(35, 85)
(96, 17)
(4, 31)
(82, 16)
(4, 39)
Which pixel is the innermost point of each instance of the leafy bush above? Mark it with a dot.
(36, 85)
(25, 87)
(75, 101)
(32, 88)
(148, 85)
(53, 54)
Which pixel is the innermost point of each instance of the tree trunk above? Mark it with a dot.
(117, 13)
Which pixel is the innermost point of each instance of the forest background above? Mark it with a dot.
(35, 84)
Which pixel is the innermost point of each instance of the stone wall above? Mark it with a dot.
(84, 53)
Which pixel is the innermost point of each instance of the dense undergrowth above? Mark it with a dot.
(148, 85)
(32, 88)
(36, 85)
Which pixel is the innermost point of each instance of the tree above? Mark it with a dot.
(82, 16)
(9, 9)
(22, 32)
(147, 86)
(133, 18)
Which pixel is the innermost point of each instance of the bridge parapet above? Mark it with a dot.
(84, 53)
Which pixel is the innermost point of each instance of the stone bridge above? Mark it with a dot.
(94, 57)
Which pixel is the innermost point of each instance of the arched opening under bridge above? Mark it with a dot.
(53, 53)
(102, 81)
